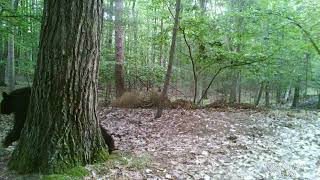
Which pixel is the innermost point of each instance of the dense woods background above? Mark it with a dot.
(258, 52)
(184, 56)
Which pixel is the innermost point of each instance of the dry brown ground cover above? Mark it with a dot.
(206, 144)
(217, 144)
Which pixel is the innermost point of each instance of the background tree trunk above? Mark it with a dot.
(233, 88)
(318, 105)
(202, 53)
(171, 57)
(119, 41)
(161, 43)
(11, 51)
(239, 87)
(109, 48)
(287, 94)
(278, 95)
(296, 95)
(10, 65)
(267, 91)
(3, 53)
(62, 130)
(259, 94)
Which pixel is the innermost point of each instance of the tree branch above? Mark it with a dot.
(307, 33)
(223, 68)
(296, 23)
(195, 78)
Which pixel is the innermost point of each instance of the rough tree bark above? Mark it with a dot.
(62, 130)
(171, 57)
(119, 41)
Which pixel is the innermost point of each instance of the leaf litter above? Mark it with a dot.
(204, 144)
(218, 144)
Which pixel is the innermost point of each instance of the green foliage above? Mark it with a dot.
(149, 74)
(74, 173)
(256, 27)
(127, 160)
(25, 68)
(23, 21)
(152, 74)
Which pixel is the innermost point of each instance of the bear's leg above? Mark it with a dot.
(107, 139)
(14, 134)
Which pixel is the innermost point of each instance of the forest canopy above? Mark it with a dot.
(249, 43)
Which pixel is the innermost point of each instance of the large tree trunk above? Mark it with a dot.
(171, 57)
(119, 40)
(62, 130)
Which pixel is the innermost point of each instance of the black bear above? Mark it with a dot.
(17, 102)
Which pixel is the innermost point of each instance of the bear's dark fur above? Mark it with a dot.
(17, 102)
(108, 139)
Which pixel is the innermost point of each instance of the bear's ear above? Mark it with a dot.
(4, 95)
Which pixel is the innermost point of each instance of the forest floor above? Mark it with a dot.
(216, 144)
(205, 144)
